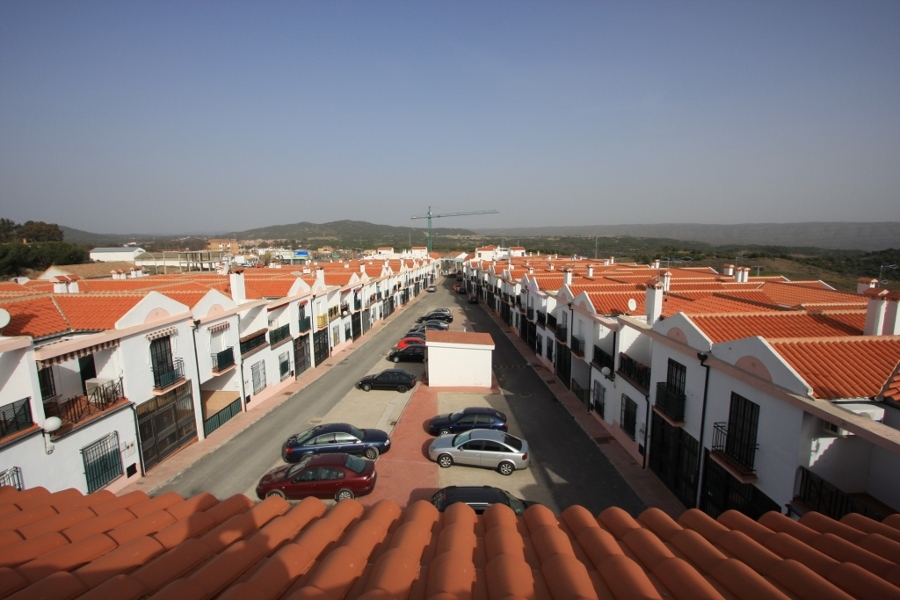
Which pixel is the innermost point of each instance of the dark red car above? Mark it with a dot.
(338, 476)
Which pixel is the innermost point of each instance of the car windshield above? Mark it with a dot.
(512, 441)
(457, 416)
(514, 503)
(440, 500)
(356, 432)
(462, 438)
(295, 469)
(305, 435)
(355, 463)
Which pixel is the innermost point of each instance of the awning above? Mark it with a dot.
(219, 327)
(165, 332)
(55, 360)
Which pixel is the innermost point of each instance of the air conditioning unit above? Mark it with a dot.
(92, 384)
(835, 430)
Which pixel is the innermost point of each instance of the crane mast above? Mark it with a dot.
(429, 215)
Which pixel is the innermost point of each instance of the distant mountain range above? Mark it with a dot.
(360, 234)
(839, 236)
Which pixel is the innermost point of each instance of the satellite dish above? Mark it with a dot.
(4, 318)
(632, 304)
(51, 424)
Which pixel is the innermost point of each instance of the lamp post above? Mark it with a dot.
(881, 273)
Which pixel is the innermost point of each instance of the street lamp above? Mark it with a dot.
(881, 272)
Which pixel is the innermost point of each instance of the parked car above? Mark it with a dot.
(414, 353)
(338, 476)
(409, 341)
(479, 497)
(446, 311)
(436, 315)
(473, 299)
(391, 379)
(473, 417)
(416, 333)
(436, 324)
(431, 288)
(481, 448)
(462, 290)
(336, 437)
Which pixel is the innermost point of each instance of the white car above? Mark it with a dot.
(481, 448)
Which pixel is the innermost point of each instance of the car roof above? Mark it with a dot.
(331, 427)
(488, 434)
(482, 410)
(328, 458)
(462, 493)
(401, 371)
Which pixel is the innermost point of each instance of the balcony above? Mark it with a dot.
(551, 322)
(222, 360)
(79, 408)
(529, 314)
(602, 358)
(333, 312)
(562, 334)
(670, 403)
(357, 305)
(279, 334)
(253, 342)
(577, 346)
(15, 417)
(321, 321)
(542, 319)
(305, 324)
(637, 373)
(734, 454)
(822, 496)
(165, 376)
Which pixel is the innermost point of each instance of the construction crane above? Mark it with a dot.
(431, 216)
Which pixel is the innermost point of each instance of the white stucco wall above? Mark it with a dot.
(459, 364)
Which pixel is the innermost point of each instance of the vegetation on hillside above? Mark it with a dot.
(34, 246)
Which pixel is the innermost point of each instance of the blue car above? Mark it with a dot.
(474, 417)
(335, 437)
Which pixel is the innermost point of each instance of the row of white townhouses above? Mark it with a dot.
(739, 392)
(102, 380)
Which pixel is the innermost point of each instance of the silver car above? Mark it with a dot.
(481, 448)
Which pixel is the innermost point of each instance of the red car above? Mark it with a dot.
(338, 476)
(410, 341)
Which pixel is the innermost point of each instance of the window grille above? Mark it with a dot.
(258, 373)
(102, 462)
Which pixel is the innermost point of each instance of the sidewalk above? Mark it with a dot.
(644, 483)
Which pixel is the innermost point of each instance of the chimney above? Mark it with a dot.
(590, 271)
(892, 314)
(567, 276)
(552, 267)
(72, 287)
(728, 270)
(605, 262)
(362, 268)
(320, 275)
(667, 280)
(864, 283)
(654, 302)
(737, 275)
(654, 264)
(612, 260)
(346, 265)
(531, 270)
(875, 312)
(745, 277)
(60, 287)
(238, 290)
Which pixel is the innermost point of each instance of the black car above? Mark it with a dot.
(417, 333)
(410, 354)
(473, 299)
(479, 498)
(391, 379)
(436, 316)
(474, 417)
(335, 437)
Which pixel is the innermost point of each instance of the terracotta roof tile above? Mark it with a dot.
(37, 317)
(791, 294)
(94, 313)
(616, 303)
(720, 328)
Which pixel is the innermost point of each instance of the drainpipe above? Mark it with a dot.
(137, 436)
(646, 428)
(194, 327)
(702, 356)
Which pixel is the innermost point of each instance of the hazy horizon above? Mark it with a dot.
(166, 118)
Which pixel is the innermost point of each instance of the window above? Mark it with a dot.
(743, 421)
(628, 417)
(48, 385)
(598, 399)
(284, 365)
(12, 477)
(549, 349)
(102, 462)
(258, 374)
(675, 377)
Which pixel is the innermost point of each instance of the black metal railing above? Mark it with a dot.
(279, 333)
(15, 416)
(357, 305)
(223, 359)
(635, 371)
(529, 314)
(253, 343)
(562, 334)
(166, 375)
(305, 324)
(542, 319)
(577, 346)
(602, 358)
(551, 322)
(738, 453)
(78, 408)
(221, 417)
(579, 391)
(822, 496)
(670, 402)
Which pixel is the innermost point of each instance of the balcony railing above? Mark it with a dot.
(78, 408)
(357, 305)
(635, 371)
(279, 333)
(670, 402)
(333, 312)
(734, 451)
(221, 417)
(529, 314)
(167, 375)
(321, 321)
(305, 324)
(562, 334)
(579, 391)
(253, 343)
(223, 359)
(15, 416)
(822, 496)
(577, 346)
(551, 322)
(519, 301)
(602, 358)
(542, 319)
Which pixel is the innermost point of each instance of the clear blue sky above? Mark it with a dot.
(172, 117)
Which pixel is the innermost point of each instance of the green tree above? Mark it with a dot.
(8, 229)
(38, 231)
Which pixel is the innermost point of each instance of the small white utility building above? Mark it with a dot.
(121, 253)
(459, 359)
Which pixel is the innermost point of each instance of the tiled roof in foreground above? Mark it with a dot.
(67, 545)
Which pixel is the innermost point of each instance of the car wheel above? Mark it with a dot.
(344, 494)
(445, 460)
(402, 389)
(506, 468)
(444, 431)
(371, 453)
(366, 387)
(396, 359)
(272, 493)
